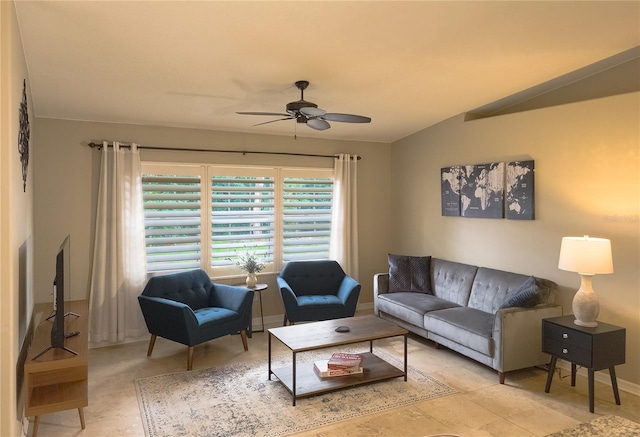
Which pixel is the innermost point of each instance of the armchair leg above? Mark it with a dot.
(501, 377)
(152, 343)
(243, 335)
(190, 358)
(284, 323)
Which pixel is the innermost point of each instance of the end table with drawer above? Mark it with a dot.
(598, 348)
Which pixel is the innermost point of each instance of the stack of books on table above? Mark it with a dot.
(340, 364)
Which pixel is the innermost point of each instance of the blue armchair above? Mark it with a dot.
(188, 308)
(316, 290)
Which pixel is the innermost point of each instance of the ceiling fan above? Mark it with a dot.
(309, 113)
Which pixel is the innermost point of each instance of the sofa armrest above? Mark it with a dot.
(380, 283)
(380, 286)
(517, 333)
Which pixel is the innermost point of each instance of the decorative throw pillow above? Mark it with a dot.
(526, 296)
(409, 273)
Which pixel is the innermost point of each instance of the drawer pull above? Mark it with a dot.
(565, 335)
(565, 350)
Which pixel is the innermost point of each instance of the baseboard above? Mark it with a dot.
(602, 377)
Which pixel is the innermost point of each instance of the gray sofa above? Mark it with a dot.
(472, 310)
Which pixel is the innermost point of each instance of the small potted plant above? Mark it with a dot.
(250, 264)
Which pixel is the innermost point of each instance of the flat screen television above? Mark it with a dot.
(61, 290)
(60, 285)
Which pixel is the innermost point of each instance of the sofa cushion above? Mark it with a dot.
(490, 287)
(410, 306)
(452, 281)
(466, 326)
(409, 273)
(527, 295)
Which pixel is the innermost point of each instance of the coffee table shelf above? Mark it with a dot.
(309, 384)
(300, 378)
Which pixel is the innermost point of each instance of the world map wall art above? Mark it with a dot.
(487, 190)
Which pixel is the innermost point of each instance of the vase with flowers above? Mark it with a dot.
(249, 263)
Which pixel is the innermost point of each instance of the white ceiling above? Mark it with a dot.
(407, 65)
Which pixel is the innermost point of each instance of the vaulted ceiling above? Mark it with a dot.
(407, 65)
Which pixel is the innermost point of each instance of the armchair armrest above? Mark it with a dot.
(289, 298)
(349, 292)
(168, 318)
(231, 297)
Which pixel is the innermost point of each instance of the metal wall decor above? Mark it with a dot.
(23, 135)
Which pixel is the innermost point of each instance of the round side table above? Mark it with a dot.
(258, 288)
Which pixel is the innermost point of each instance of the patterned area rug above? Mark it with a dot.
(605, 426)
(239, 400)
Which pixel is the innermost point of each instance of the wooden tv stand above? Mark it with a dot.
(57, 379)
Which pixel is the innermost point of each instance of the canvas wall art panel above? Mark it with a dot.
(520, 190)
(482, 190)
(450, 191)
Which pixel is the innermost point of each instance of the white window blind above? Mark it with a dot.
(306, 217)
(242, 218)
(172, 218)
(205, 216)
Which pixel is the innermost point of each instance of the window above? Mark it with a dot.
(306, 217)
(279, 214)
(172, 218)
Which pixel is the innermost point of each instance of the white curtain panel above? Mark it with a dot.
(119, 260)
(343, 246)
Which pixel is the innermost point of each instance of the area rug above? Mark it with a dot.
(239, 400)
(605, 426)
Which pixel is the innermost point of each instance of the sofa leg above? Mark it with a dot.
(284, 323)
(190, 358)
(501, 375)
(152, 343)
(243, 335)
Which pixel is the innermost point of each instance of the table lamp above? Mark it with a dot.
(588, 257)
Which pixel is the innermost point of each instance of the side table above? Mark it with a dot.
(598, 348)
(259, 288)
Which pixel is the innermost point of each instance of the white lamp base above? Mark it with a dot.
(585, 303)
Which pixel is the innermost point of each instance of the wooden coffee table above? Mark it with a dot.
(302, 381)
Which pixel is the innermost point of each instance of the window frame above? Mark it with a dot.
(206, 171)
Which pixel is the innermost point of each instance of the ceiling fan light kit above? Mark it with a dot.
(309, 113)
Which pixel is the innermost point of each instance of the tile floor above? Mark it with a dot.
(482, 407)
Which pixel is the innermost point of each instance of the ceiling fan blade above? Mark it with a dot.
(273, 121)
(318, 124)
(310, 111)
(346, 118)
(263, 113)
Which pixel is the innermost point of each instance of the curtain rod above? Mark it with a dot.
(244, 152)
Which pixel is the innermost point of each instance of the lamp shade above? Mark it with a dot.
(586, 255)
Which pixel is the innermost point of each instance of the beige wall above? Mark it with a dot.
(587, 181)
(67, 175)
(16, 222)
